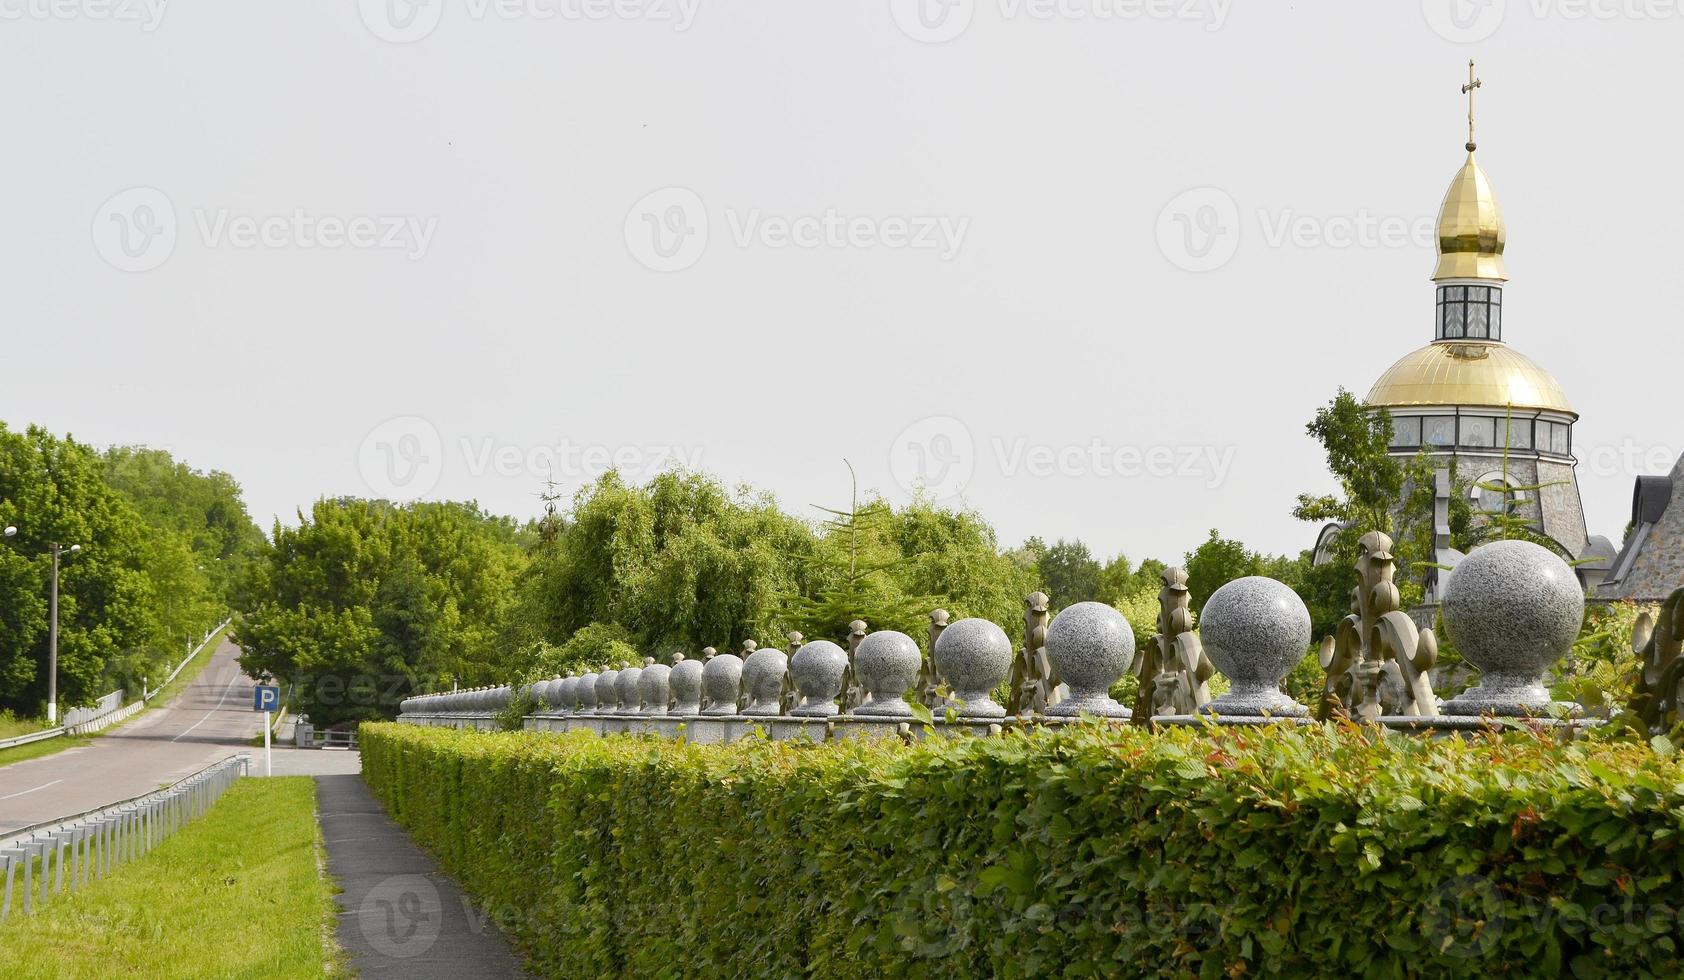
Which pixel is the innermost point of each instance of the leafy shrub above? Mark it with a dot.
(1087, 852)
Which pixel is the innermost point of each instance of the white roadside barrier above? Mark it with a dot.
(44, 860)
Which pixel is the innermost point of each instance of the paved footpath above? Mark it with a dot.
(402, 916)
(210, 720)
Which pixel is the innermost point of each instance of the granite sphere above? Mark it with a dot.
(973, 656)
(818, 668)
(585, 691)
(1090, 645)
(763, 679)
(1255, 630)
(540, 692)
(653, 688)
(562, 694)
(1513, 609)
(607, 692)
(886, 663)
(685, 682)
(722, 679)
(626, 686)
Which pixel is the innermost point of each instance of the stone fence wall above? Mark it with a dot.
(1514, 608)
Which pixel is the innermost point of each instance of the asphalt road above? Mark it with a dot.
(210, 720)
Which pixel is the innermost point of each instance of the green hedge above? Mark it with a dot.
(1090, 852)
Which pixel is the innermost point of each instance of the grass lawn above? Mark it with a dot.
(35, 750)
(240, 892)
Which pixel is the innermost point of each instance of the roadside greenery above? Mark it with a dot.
(237, 893)
(163, 550)
(1111, 851)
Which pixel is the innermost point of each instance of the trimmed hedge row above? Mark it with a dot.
(1088, 852)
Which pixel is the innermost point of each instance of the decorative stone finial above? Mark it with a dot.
(1091, 645)
(974, 656)
(653, 687)
(1378, 663)
(853, 692)
(585, 691)
(886, 663)
(929, 672)
(763, 679)
(625, 685)
(818, 668)
(1172, 667)
(685, 683)
(607, 692)
(1513, 609)
(722, 677)
(1034, 684)
(1255, 630)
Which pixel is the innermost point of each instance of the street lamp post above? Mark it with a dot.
(52, 635)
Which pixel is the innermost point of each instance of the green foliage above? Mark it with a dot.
(1377, 492)
(366, 602)
(1603, 668)
(135, 594)
(1070, 574)
(1093, 851)
(1219, 560)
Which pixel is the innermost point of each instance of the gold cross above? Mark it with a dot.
(1468, 90)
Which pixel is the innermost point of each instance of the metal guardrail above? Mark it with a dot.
(71, 852)
(149, 695)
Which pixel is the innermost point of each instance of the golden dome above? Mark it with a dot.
(1471, 373)
(1470, 228)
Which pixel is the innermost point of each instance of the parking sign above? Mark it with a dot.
(265, 698)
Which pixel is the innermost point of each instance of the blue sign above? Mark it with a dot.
(265, 698)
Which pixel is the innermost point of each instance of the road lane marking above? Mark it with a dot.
(31, 790)
(212, 711)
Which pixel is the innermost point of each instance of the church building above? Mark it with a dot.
(1469, 392)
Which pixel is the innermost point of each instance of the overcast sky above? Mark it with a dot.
(1088, 267)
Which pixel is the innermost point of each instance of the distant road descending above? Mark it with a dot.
(208, 721)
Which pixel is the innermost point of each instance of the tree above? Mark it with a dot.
(1377, 492)
(110, 616)
(367, 602)
(1069, 573)
(1215, 563)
